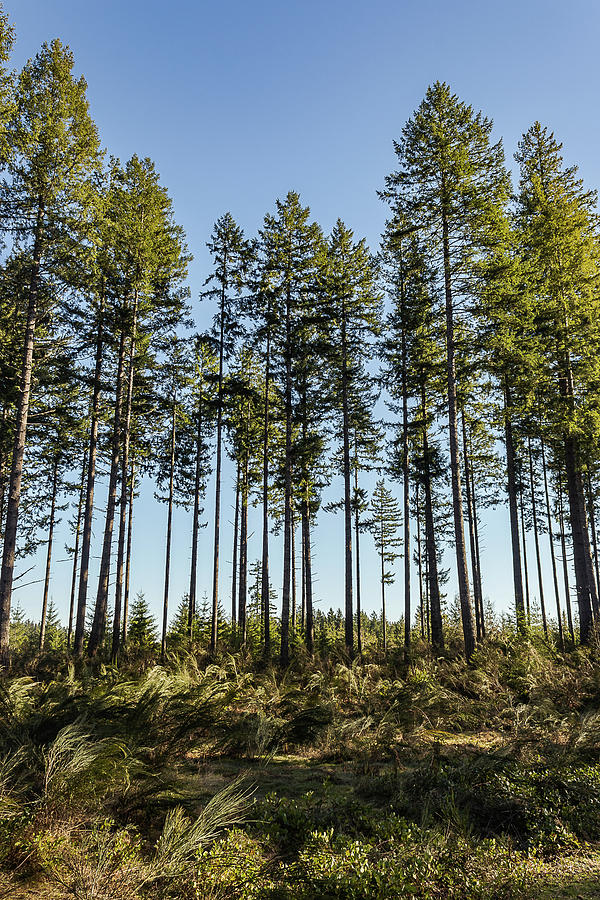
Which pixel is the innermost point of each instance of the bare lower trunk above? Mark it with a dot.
(285, 604)
(16, 472)
(116, 638)
(348, 600)
(215, 595)
(128, 561)
(264, 591)
(99, 621)
(457, 504)
(195, 525)
(236, 529)
(49, 552)
(86, 538)
(76, 550)
(592, 511)
(306, 552)
(582, 570)
(243, 595)
(357, 551)
(477, 554)
(420, 563)
(383, 617)
(536, 539)
(163, 641)
(293, 524)
(563, 547)
(476, 597)
(525, 563)
(514, 518)
(433, 585)
(561, 640)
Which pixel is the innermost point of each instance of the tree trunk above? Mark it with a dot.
(293, 525)
(88, 515)
(477, 554)
(76, 550)
(265, 587)
(49, 553)
(243, 595)
(116, 637)
(215, 596)
(383, 619)
(348, 604)
(575, 490)
(128, 560)
(357, 541)
(99, 621)
(525, 563)
(457, 503)
(16, 472)
(593, 528)
(563, 546)
(236, 528)
(561, 639)
(433, 585)
(285, 604)
(310, 629)
(521, 617)
(163, 641)
(195, 525)
(476, 597)
(537, 540)
(3, 425)
(420, 563)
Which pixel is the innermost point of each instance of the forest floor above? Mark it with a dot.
(375, 780)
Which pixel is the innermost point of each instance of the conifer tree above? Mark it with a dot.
(54, 148)
(386, 520)
(452, 181)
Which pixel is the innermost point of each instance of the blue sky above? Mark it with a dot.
(240, 101)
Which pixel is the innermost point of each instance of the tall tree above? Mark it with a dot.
(54, 147)
(386, 520)
(452, 181)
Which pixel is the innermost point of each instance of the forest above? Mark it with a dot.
(250, 744)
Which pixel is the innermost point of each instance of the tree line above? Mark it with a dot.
(477, 323)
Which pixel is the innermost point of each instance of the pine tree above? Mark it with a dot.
(142, 633)
(452, 181)
(386, 520)
(54, 149)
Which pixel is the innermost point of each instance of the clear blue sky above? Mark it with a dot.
(240, 101)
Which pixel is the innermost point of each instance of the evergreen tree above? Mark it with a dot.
(386, 520)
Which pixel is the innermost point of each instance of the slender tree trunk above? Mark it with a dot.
(86, 538)
(285, 606)
(406, 497)
(306, 552)
(459, 531)
(471, 532)
(537, 540)
(128, 559)
(76, 550)
(99, 621)
(561, 639)
(348, 604)
(215, 597)
(236, 527)
(195, 525)
(477, 554)
(521, 617)
(303, 572)
(357, 541)
(242, 601)
(420, 562)
(575, 491)
(16, 472)
(593, 528)
(383, 619)
(433, 584)
(116, 637)
(3, 460)
(293, 524)
(163, 641)
(525, 563)
(49, 552)
(265, 587)
(563, 546)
